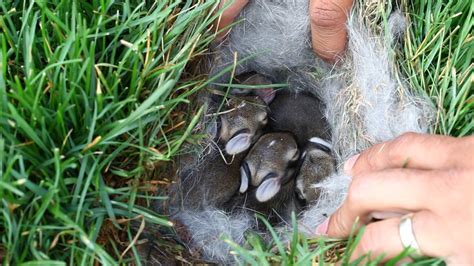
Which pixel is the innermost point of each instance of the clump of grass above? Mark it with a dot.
(86, 93)
(437, 59)
(294, 248)
(297, 250)
(300, 250)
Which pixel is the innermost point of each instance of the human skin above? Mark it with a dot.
(328, 18)
(328, 27)
(229, 14)
(430, 176)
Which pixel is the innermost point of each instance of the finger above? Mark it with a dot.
(383, 237)
(328, 27)
(393, 190)
(229, 14)
(379, 238)
(411, 150)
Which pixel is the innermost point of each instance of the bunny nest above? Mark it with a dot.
(365, 101)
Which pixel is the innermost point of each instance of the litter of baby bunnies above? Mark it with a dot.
(276, 151)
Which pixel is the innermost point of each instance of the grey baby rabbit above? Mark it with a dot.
(211, 182)
(299, 113)
(316, 164)
(268, 164)
(240, 125)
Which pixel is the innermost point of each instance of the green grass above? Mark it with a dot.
(88, 93)
(318, 251)
(438, 59)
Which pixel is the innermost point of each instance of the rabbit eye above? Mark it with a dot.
(241, 131)
(269, 175)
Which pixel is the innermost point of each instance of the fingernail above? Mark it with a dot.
(322, 229)
(350, 163)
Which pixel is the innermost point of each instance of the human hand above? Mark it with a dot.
(427, 175)
(328, 24)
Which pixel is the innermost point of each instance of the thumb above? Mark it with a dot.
(328, 27)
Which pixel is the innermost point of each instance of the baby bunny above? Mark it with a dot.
(268, 164)
(241, 124)
(299, 113)
(317, 164)
(211, 182)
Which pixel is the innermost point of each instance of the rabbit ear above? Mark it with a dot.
(212, 129)
(238, 144)
(240, 91)
(244, 180)
(266, 94)
(268, 189)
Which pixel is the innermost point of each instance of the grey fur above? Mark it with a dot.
(211, 183)
(316, 166)
(247, 115)
(366, 104)
(290, 112)
(209, 228)
(275, 210)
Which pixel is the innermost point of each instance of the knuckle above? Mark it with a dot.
(396, 150)
(405, 138)
(355, 193)
(453, 186)
(395, 153)
(451, 181)
(341, 227)
(372, 157)
(368, 241)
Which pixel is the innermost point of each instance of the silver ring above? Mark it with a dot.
(407, 236)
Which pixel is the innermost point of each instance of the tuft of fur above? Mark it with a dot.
(366, 103)
(333, 192)
(208, 229)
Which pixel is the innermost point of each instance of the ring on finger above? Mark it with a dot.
(407, 235)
